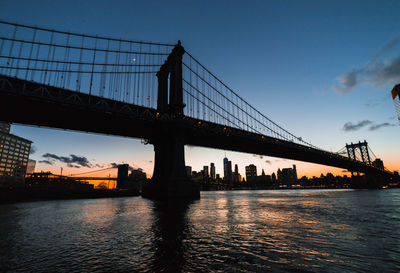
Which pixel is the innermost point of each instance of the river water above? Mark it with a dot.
(226, 231)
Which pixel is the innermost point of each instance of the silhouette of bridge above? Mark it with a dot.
(154, 91)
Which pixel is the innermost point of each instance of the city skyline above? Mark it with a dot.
(329, 93)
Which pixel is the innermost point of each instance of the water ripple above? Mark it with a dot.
(240, 231)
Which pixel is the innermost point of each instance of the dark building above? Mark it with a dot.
(123, 170)
(236, 175)
(378, 163)
(263, 181)
(273, 178)
(55, 184)
(205, 171)
(212, 171)
(137, 175)
(227, 170)
(14, 155)
(251, 172)
(288, 176)
(189, 171)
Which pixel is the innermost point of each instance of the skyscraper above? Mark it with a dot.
(205, 171)
(251, 172)
(235, 175)
(212, 171)
(227, 170)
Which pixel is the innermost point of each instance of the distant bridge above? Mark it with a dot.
(95, 178)
(154, 91)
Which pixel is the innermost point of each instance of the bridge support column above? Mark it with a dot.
(170, 180)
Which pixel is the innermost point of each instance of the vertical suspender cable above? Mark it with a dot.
(10, 51)
(91, 74)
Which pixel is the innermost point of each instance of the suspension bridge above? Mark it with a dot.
(154, 91)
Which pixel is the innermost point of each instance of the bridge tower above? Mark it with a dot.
(371, 180)
(363, 149)
(170, 179)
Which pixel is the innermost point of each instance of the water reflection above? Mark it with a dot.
(170, 229)
(246, 231)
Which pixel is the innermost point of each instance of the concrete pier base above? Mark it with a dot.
(170, 180)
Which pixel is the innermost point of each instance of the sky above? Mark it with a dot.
(323, 70)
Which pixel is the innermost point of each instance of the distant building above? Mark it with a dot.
(205, 171)
(56, 184)
(227, 170)
(212, 171)
(287, 176)
(188, 170)
(14, 154)
(251, 172)
(235, 174)
(137, 175)
(378, 163)
(123, 170)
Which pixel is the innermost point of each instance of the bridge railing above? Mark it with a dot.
(117, 69)
(208, 98)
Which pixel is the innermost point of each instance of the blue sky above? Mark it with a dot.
(311, 66)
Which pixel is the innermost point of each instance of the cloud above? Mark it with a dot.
(387, 47)
(381, 125)
(349, 126)
(73, 166)
(376, 72)
(375, 102)
(115, 165)
(268, 162)
(72, 159)
(386, 71)
(347, 81)
(46, 162)
(33, 150)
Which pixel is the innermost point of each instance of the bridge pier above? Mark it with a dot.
(170, 180)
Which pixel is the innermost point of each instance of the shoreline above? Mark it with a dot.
(10, 196)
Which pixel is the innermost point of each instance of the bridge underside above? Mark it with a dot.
(34, 104)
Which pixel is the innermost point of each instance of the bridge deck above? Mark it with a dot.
(32, 103)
